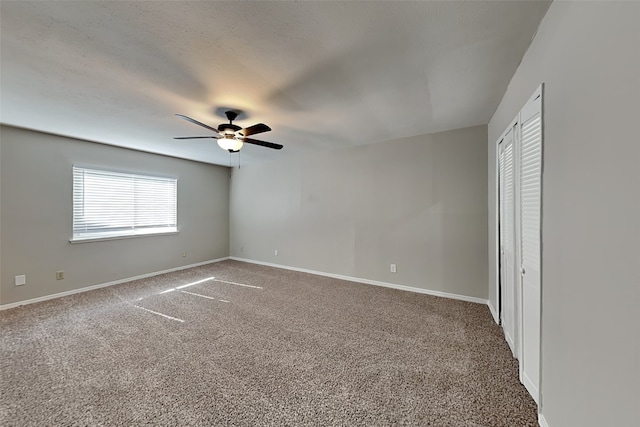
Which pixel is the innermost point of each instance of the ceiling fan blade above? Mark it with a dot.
(195, 122)
(193, 137)
(262, 143)
(252, 130)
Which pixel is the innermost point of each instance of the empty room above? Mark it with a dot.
(328, 213)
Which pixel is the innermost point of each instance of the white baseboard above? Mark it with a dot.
(510, 342)
(541, 421)
(368, 281)
(531, 387)
(303, 270)
(494, 312)
(104, 285)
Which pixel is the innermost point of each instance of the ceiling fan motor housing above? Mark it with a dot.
(228, 128)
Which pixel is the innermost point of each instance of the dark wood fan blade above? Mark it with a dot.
(195, 122)
(193, 137)
(262, 143)
(252, 130)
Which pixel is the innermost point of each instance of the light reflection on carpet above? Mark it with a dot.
(160, 314)
(204, 296)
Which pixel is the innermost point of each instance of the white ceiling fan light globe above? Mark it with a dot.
(229, 143)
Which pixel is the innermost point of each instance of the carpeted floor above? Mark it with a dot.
(233, 343)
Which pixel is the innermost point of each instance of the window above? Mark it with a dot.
(108, 204)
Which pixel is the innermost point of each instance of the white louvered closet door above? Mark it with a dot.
(507, 237)
(530, 196)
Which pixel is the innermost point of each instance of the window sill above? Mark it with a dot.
(77, 240)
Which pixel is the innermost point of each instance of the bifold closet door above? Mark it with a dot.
(530, 224)
(507, 238)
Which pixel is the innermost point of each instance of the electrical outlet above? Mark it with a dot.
(20, 280)
(276, 252)
(184, 254)
(60, 275)
(393, 268)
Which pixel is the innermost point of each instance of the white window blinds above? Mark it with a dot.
(110, 204)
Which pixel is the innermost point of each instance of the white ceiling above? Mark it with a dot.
(322, 75)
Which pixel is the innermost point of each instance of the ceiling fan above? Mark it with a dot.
(231, 137)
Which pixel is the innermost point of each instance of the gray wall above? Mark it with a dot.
(36, 216)
(417, 202)
(587, 56)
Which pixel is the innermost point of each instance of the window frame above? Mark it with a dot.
(121, 234)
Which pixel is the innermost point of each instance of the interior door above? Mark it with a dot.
(530, 225)
(507, 238)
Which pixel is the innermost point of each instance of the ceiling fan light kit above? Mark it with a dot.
(232, 137)
(229, 143)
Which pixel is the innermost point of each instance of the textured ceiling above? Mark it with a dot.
(323, 75)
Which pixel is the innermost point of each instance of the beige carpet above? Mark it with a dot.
(239, 344)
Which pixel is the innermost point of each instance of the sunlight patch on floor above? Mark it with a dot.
(188, 284)
(160, 314)
(197, 282)
(203, 296)
(237, 284)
